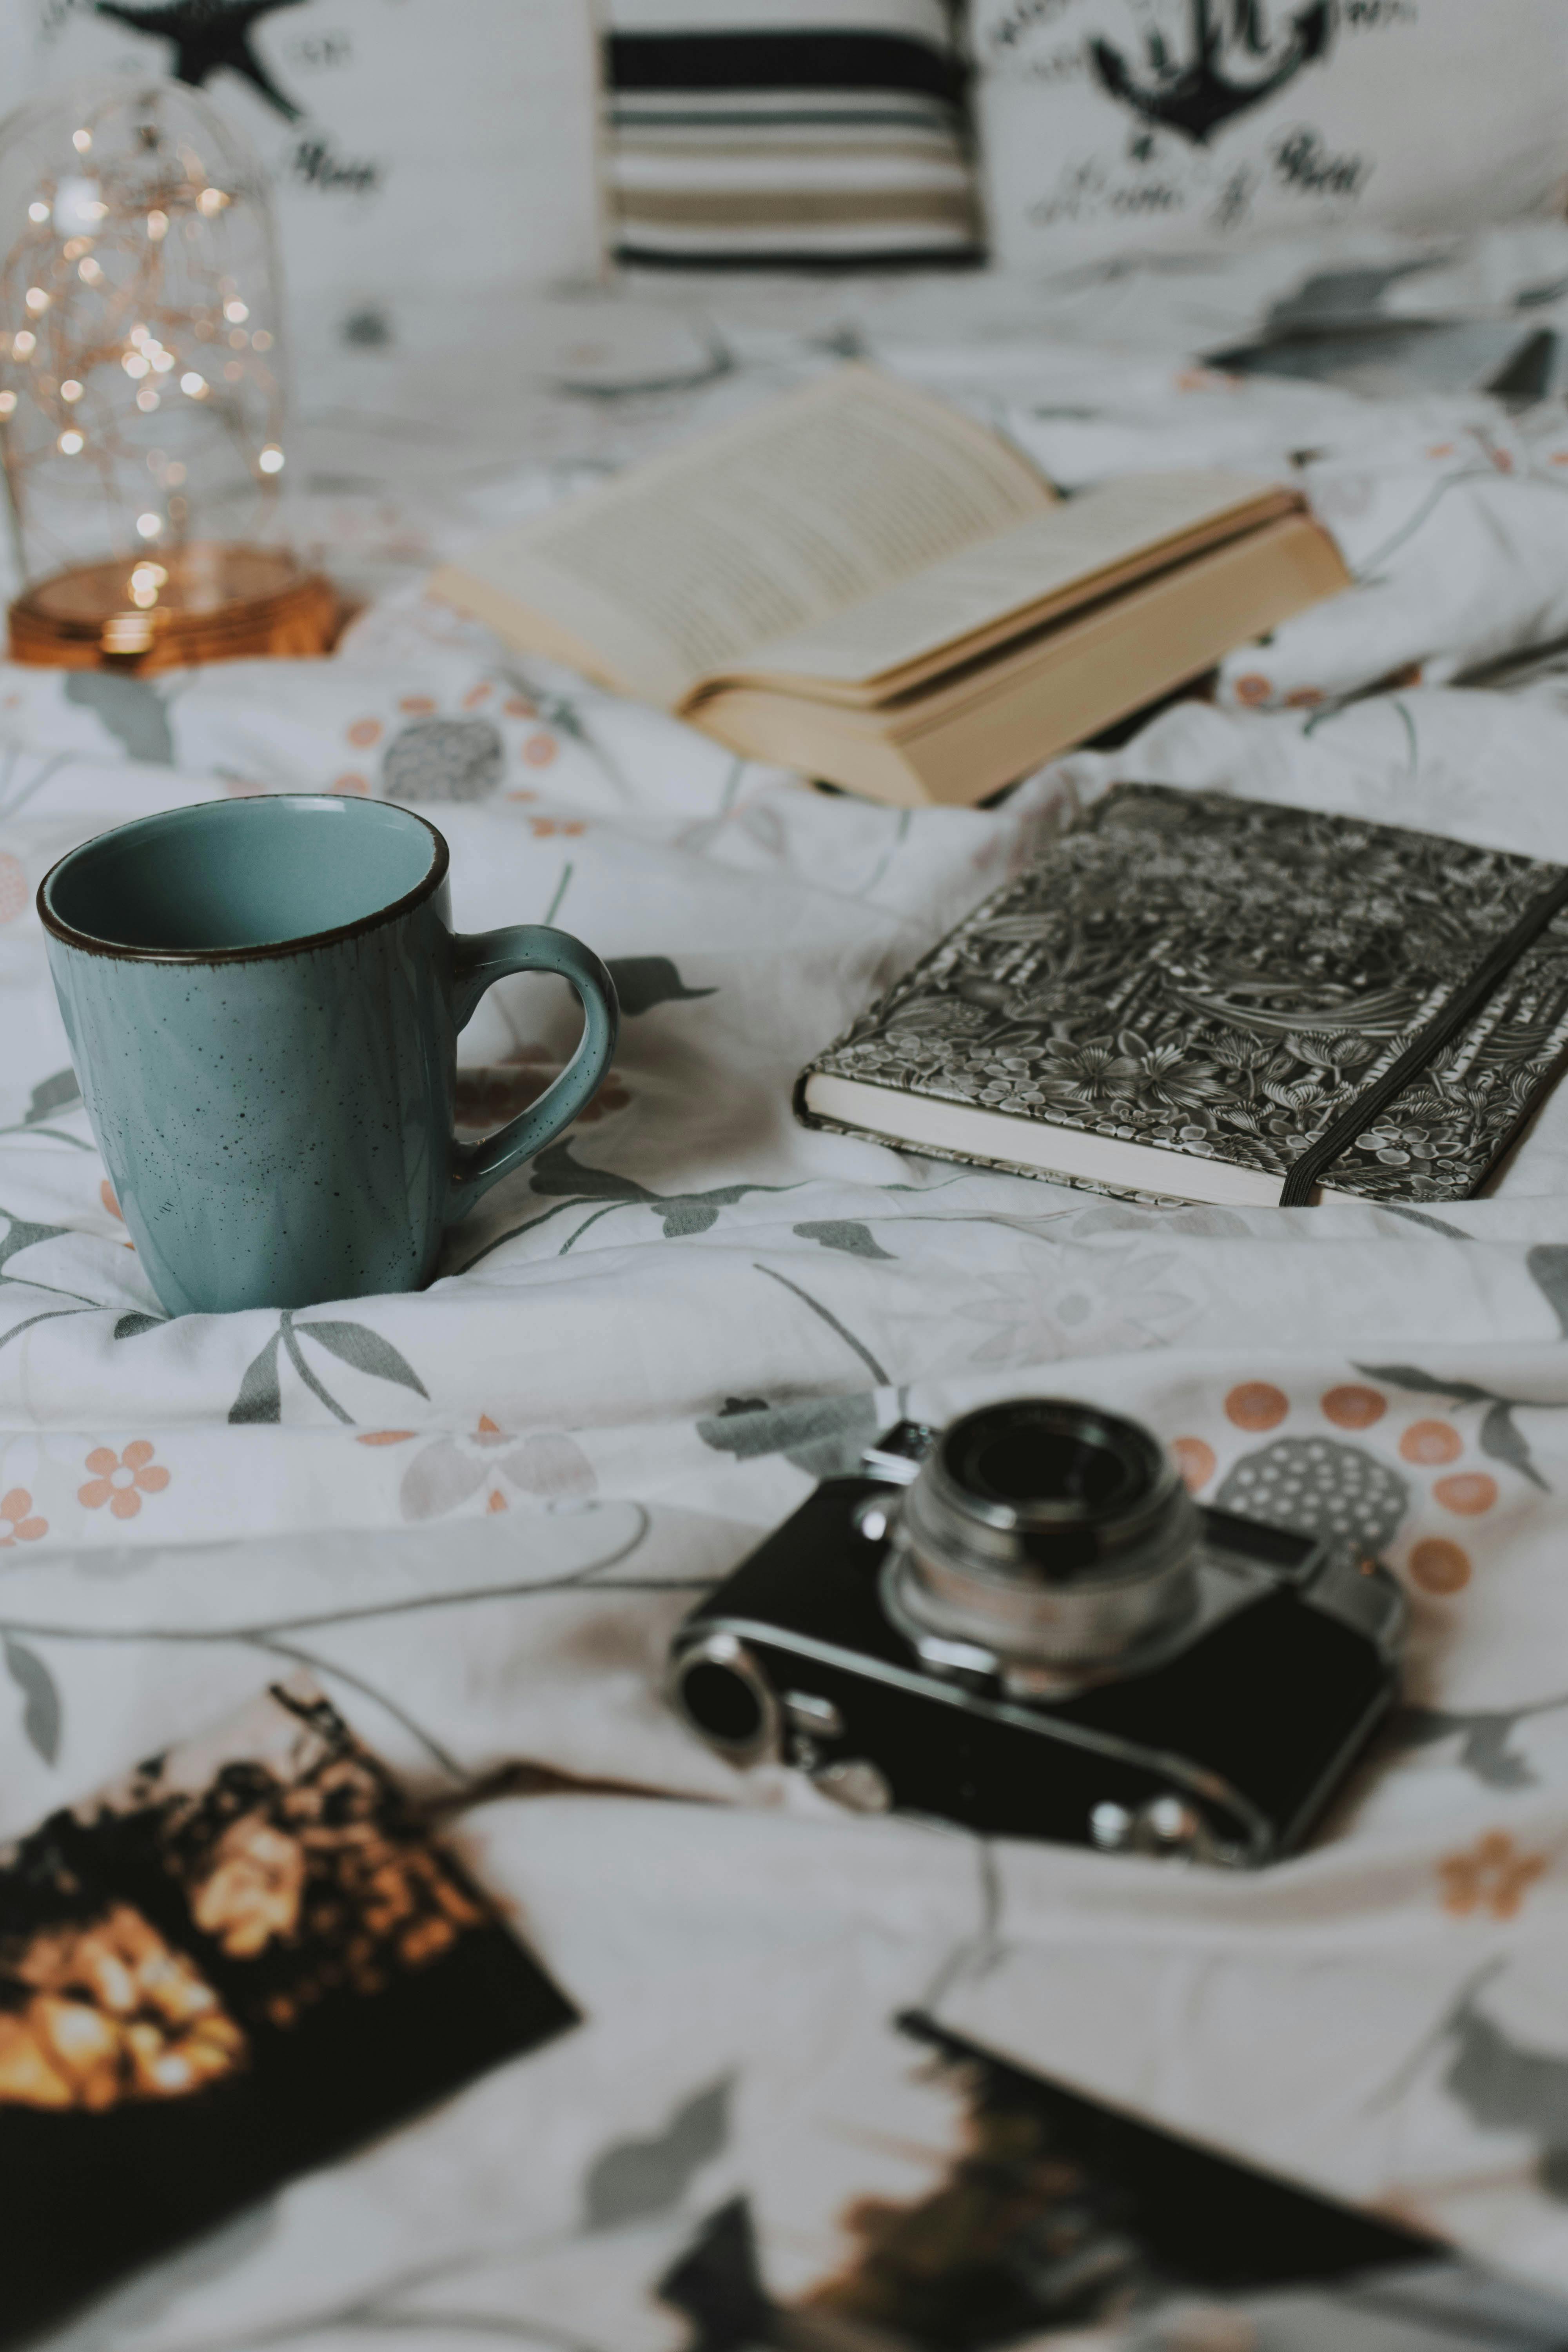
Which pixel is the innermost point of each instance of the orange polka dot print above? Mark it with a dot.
(1439, 1567)
(1353, 1408)
(1257, 1404)
(1431, 1442)
(1195, 1460)
(1469, 1494)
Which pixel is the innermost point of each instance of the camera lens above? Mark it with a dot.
(723, 1705)
(1046, 1531)
(1017, 1453)
(724, 1695)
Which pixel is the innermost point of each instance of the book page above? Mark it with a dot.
(1102, 538)
(771, 525)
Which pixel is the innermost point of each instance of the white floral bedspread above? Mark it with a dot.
(477, 1512)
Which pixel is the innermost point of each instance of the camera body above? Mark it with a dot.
(1025, 1625)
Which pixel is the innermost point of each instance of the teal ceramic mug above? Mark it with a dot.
(263, 998)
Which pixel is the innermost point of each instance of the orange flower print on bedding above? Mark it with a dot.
(365, 732)
(1205, 379)
(18, 1521)
(1492, 1875)
(1254, 687)
(121, 1479)
(539, 750)
(14, 894)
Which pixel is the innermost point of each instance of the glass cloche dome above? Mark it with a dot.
(142, 385)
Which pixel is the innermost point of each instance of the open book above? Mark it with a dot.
(861, 583)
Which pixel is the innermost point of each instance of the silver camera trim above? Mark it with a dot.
(1215, 1585)
(1208, 1790)
(967, 1568)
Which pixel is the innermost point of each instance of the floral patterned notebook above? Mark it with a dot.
(237, 1963)
(1187, 990)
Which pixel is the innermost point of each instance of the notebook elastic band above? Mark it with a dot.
(1306, 1171)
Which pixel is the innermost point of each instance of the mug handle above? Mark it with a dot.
(477, 962)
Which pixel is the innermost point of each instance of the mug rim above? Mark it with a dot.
(119, 951)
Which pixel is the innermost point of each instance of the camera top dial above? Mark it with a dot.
(1048, 1534)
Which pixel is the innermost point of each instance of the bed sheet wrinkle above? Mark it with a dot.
(477, 1513)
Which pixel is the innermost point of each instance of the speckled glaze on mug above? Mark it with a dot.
(263, 998)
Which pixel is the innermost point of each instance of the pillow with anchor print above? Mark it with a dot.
(411, 149)
(1110, 126)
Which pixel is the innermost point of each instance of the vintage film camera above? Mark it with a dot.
(1025, 1624)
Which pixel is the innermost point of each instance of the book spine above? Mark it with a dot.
(1448, 1021)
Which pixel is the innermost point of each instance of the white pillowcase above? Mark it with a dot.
(1113, 125)
(442, 144)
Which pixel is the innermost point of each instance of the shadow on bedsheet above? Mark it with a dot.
(1062, 2219)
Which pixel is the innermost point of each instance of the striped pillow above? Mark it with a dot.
(787, 134)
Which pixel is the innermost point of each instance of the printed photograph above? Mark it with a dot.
(236, 1963)
(1062, 2223)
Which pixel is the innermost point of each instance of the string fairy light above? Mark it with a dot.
(142, 399)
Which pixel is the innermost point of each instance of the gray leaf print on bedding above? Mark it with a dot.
(557, 1172)
(1486, 1739)
(844, 1234)
(1504, 2085)
(259, 1398)
(366, 1350)
(643, 981)
(824, 1436)
(20, 1234)
(131, 709)
(41, 1711)
(260, 1394)
(1548, 1266)
(443, 759)
(1500, 1436)
(131, 1326)
(637, 2178)
(59, 1092)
